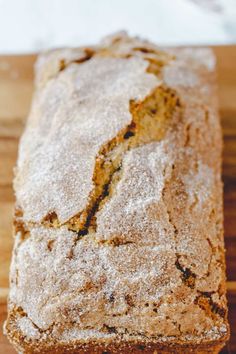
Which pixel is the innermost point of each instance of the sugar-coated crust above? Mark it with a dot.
(118, 346)
(119, 223)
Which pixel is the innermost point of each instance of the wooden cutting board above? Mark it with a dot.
(16, 84)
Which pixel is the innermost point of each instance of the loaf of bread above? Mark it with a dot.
(118, 221)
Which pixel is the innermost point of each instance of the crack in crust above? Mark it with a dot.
(205, 302)
(88, 54)
(188, 277)
(19, 225)
(150, 121)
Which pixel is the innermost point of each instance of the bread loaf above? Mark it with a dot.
(118, 223)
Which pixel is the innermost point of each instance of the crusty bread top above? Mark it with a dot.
(76, 110)
(72, 116)
(119, 221)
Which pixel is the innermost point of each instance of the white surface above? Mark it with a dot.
(32, 25)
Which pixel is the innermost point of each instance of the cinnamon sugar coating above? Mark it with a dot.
(119, 235)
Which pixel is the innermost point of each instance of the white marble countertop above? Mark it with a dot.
(33, 25)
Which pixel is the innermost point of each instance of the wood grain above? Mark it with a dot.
(16, 84)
